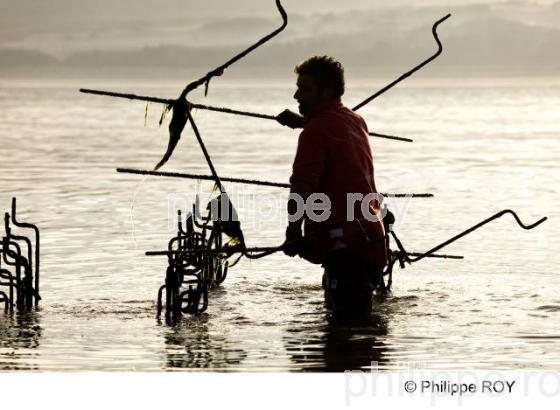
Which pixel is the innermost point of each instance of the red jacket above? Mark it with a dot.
(334, 157)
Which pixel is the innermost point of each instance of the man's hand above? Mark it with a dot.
(388, 220)
(294, 240)
(290, 119)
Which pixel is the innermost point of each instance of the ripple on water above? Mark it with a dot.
(549, 308)
(269, 314)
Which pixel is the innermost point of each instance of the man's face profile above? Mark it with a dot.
(308, 94)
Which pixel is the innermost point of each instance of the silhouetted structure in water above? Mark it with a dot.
(199, 260)
(19, 264)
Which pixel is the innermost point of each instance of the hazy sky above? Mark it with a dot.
(58, 26)
(519, 30)
(30, 23)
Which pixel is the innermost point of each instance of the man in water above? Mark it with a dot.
(334, 159)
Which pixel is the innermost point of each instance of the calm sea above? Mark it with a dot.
(479, 147)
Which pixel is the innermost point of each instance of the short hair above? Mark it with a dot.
(326, 70)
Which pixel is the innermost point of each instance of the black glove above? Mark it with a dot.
(290, 119)
(294, 240)
(388, 220)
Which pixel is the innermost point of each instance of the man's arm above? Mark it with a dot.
(302, 190)
(307, 169)
(299, 189)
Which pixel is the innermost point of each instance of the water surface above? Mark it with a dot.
(479, 148)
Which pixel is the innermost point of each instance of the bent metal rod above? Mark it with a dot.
(224, 110)
(247, 181)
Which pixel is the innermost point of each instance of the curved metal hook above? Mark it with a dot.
(466, 232)
(181, 106)
(219, 70)
(410, 72)
(37, 241)
(521, 224)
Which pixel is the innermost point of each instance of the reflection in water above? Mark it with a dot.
(19, 336)
(190, 346)
(341, 343)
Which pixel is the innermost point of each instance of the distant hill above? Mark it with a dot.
(16, 59)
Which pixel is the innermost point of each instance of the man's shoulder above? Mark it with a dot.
(327, 119)
(316, 124)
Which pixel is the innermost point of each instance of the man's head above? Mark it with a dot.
(319, 78)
